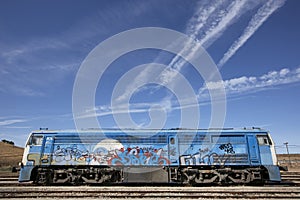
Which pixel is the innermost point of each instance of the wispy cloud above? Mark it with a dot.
(257, 20)
(235, 87)
(53, 56)
(207, 24)
(210, 20)
(244, 84)
(221, 20)
(23, 66)
(11, 121)
(17, 127)
(105, 110)
(60, 52)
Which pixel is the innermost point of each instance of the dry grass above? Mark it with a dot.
(292, 161)
(10, 155)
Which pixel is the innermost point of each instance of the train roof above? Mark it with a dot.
(174, 130)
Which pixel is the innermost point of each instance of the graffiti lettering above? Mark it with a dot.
(101, 156)
(69, 154)
(228, 148)
(206, 157)
(139, 156)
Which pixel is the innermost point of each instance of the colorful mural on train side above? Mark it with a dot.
(112, 152)
(106, 154)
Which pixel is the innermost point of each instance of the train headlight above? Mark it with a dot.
(21, 164)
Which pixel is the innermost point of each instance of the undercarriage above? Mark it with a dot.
(186, 175)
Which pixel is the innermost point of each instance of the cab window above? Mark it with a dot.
(172, 140)
(263, 140)
(36, 140)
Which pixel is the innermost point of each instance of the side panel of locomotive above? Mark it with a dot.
(96, 157)
(228, 156)
(180, 156)
(121, 157)
(115, 149)
(209, 149)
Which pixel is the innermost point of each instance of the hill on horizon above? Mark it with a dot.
(10, 155)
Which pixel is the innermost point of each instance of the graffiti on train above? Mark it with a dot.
(228, 148)
(225, 153)
(70, 155)
(140, 156)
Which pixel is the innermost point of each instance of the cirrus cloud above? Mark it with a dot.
(245, 84)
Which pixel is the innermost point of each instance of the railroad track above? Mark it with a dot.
(288, 178)
(152, 192)
(291, 177)
(10, 188)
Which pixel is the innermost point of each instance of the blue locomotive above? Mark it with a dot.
(185, 156)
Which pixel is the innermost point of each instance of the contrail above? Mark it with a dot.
(207, 25)
(220, 18)
(195, 24)
(224, 19)
(257, 20)
(194, 27)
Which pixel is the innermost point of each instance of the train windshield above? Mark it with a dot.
(35, 140)
(264, 140)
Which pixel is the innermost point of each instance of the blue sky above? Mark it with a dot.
(255, 45)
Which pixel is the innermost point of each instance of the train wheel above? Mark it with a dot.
(43, 177)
